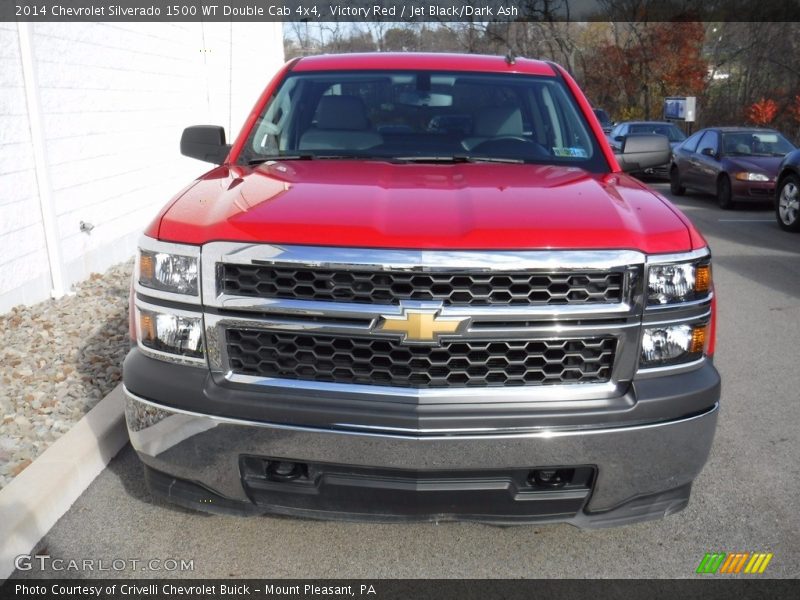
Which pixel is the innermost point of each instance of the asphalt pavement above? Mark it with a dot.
(746, 499)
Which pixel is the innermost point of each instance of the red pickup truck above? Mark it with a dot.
(420, 286)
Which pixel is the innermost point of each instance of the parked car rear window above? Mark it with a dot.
(671, 131)
(423, 114)
(603, 117)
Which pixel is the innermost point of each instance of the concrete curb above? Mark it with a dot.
(36, 498)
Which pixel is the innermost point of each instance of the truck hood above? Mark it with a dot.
(424, 206)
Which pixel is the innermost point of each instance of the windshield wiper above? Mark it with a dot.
(309, 156)
(263, 159)
(458, 158)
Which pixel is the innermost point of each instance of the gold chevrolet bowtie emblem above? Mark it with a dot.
(419, 325)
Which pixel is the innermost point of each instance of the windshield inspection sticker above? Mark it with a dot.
(570, 152)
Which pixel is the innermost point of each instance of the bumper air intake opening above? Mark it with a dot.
(353, 491)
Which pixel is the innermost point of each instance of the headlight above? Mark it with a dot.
(680, 310)
(167, 332)
(168, 272)
(751, 177)
(672, 344)
(678, 282)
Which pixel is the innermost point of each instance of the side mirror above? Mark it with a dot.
(619, 138)
(206, 143)
(643, 151)
(708, 152)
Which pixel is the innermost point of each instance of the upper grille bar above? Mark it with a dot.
(486, 285)
(419, 260)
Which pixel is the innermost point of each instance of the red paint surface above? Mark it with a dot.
(462, 206)
(712, 329)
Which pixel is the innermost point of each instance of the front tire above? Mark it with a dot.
(787, 208)
(675, 182)
(724, 193)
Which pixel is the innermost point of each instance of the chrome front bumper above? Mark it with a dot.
(642, 471)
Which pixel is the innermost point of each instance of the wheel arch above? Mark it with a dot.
(784, 173)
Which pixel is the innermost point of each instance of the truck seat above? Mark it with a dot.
(341, 124)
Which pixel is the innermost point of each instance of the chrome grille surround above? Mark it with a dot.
(541, 324)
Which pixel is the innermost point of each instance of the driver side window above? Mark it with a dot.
(691, 143)
(709, 140)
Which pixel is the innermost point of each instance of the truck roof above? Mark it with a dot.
(423, 60)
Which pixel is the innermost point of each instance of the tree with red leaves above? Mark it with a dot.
(762, 112)
(642, 63)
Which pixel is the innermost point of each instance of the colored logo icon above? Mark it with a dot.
(734, 563)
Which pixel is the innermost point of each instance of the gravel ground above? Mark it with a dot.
(57, 360)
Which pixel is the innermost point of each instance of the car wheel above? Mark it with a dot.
(787, 209)
(675, 182)
(724, 193)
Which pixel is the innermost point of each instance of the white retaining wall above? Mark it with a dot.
(90, 120)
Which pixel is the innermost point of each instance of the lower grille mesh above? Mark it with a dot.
(378, 361)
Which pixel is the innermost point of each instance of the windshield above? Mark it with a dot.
(755, 143)
(671, 131)
(420, 116)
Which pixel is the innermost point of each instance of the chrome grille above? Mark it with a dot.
(538, 324)
(451, 288)
(378, 361)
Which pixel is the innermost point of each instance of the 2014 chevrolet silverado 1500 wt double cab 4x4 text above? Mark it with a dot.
(420, 286)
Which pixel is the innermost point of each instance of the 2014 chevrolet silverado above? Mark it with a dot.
(420, 286)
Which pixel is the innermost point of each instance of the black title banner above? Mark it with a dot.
(398, 10)
(397, 589)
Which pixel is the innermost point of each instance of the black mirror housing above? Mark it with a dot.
(643, 151)
(708, 152)
(206, 143)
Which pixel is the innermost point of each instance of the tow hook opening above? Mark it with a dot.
(551, 478)
(281, 470)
